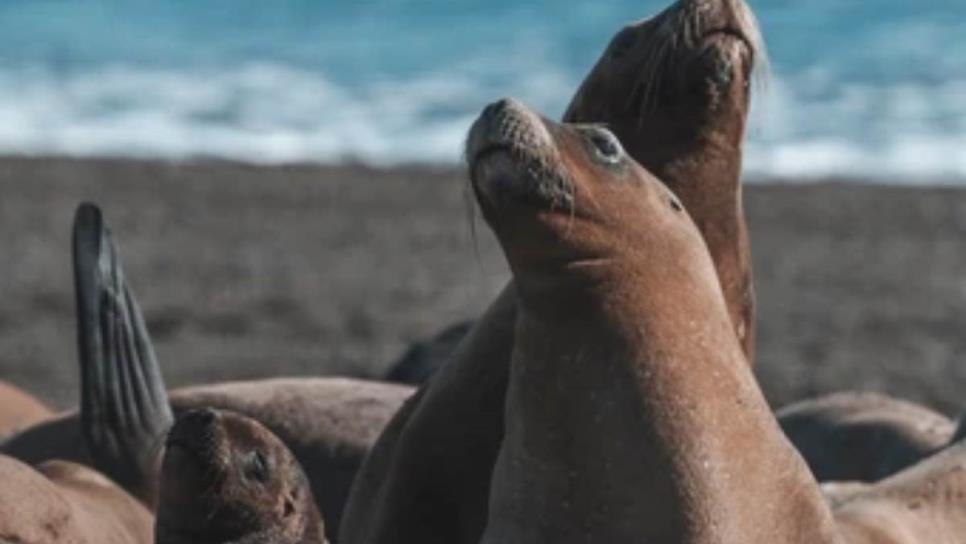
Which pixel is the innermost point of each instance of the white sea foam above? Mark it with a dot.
(805, 127)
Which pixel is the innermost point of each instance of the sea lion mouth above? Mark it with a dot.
(716, 34)
(512, 156)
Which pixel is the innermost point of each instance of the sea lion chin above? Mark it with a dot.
(226, 478)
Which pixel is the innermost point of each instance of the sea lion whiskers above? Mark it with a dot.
(518, 140)
(682, 28)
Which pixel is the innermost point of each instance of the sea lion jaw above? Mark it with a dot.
(226, 478)
(513, 156)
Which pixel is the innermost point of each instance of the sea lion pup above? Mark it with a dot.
(863, 437)
(19, 410)
(60, 502)
(676, 91)
(460, 411)
(632, 414)
(225, 478)
(328, 423)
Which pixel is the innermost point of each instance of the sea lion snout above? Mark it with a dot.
(513, 156)
(508, 124)
(193, 429)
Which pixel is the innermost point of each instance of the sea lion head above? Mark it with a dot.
(684, 74)
(226, 478)
(566, 201)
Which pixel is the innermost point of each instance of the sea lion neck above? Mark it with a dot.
(631, 413)
(675, 89)
(650, 430)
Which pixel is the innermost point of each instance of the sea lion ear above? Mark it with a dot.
(124, 410)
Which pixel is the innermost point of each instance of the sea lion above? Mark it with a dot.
(863, 437)
(60, 502)
(923, 504)
(443, 446)
(19, 410)
(226, 478)
(328, 423)
(631, 414)
(676, 91)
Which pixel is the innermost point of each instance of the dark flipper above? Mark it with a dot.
(125, 411)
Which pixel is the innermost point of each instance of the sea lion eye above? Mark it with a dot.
(607, 147)
(257, 466)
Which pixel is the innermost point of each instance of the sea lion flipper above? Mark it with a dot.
(125, 411)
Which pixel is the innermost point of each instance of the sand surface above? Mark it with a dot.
(250, 271)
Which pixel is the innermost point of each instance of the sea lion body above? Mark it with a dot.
(126, 412)
(632, 414)
(328, 423)
(923, 504)
(863, 437)
(702, 154)
(60, 502)
(225, 478)
(19, 410)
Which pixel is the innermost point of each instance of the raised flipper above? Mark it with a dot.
(125, 412)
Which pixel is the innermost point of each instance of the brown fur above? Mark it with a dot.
(863, 436)
(631, 415)
(328, 423)
(226, 479)
(924, 504)
(19, 410)
(659, 89)
(61, 502)
(455, 407)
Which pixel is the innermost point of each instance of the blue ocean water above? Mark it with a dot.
(870, 88)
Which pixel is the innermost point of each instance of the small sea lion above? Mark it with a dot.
(19, 410)
(443, 446)
(632, 414)
(863, 437)
(225, 478)
(60, 502)
(328, 423)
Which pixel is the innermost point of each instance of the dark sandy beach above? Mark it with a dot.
(247, 271)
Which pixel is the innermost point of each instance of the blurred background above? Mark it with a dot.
(284, 179)
(871, 88)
